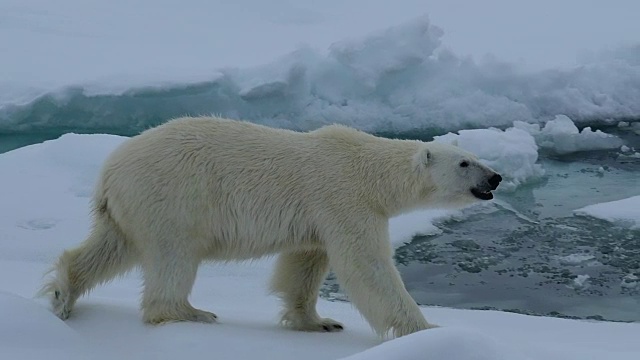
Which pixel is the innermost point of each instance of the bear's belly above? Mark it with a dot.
(240, 240)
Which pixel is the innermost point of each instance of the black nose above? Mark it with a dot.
(494, 181)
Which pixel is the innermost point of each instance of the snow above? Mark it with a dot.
(421, 222)
(45, 190)
(625, 212)
(29, 332)
(442, 343)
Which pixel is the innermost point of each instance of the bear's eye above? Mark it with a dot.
(464, 164)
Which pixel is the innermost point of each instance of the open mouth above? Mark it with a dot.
(482, 195)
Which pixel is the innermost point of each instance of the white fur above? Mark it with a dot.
(199, 189)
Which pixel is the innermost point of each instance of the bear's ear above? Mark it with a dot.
(422, 158)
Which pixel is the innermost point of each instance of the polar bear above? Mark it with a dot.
(196, 189)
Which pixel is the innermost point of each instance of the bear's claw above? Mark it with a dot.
(332, 327)
(318, 324)
(204, 316)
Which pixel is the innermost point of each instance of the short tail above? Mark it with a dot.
(104, 255)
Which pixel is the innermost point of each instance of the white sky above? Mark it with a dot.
(53, 43)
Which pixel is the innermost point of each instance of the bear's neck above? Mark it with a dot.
(392, 187)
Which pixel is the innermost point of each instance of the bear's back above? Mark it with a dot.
(195, 162)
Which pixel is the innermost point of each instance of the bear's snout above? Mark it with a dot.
(494, 181)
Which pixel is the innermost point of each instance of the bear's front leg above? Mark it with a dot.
(297, 280)
(364, 266)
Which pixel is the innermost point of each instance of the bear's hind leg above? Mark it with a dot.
(297, 280)
(104, 255)
(168, 280)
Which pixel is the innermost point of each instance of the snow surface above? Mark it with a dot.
(421, 222)
(45, 191)
(624, 212)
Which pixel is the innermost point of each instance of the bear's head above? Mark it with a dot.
(453, 177)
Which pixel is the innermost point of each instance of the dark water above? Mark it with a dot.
(575, 267)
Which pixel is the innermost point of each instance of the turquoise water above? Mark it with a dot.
(9, 142)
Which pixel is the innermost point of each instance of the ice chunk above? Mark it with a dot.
(404, 227)
(625, 212)
(629, 281)
(580, 281)
(562, 136)
(533, 129)
(576, 259)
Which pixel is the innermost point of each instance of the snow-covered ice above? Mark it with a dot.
(625, 212)
(576, 259)
(45, 209)
(421, 222)
(630, 281)
(90, 65)
(28, 331)
(581, 281)
(442, 343)
(562, 136)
